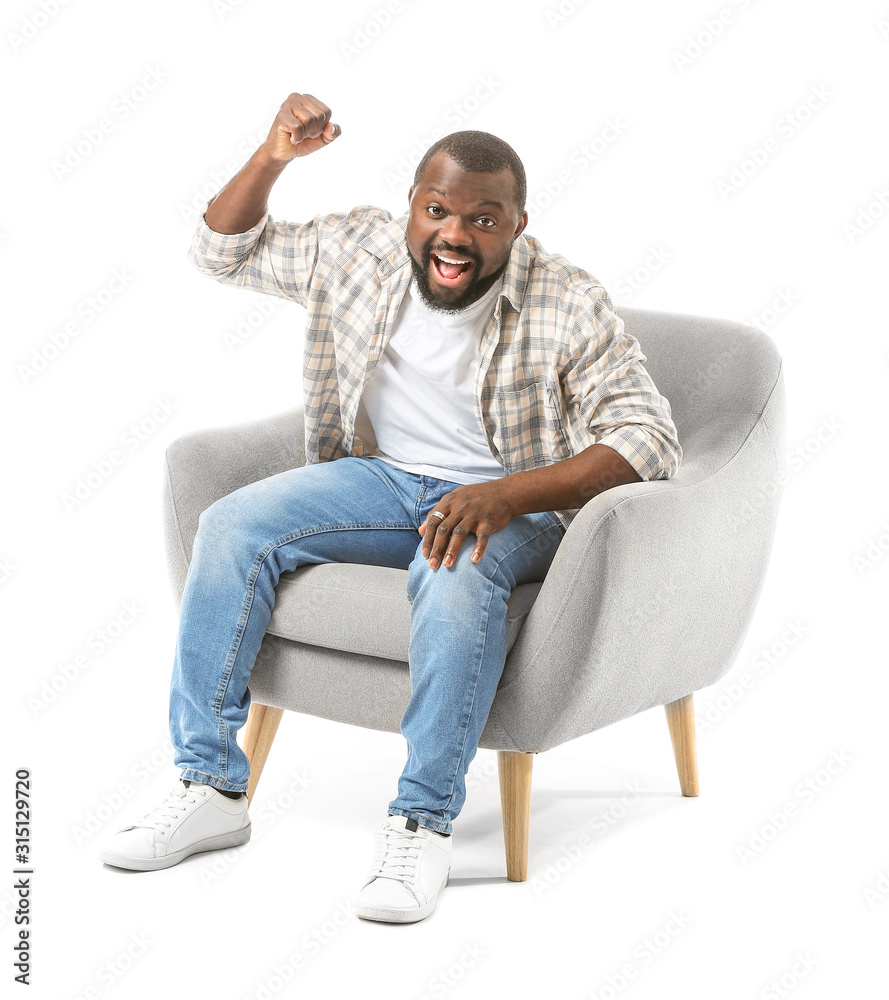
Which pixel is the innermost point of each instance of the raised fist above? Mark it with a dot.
(303, 125)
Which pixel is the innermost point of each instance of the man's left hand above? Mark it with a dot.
(478, 509)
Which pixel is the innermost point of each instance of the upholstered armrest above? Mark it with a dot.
(206, 465)
(648, 599)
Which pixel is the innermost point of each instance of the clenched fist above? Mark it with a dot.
(302, 126)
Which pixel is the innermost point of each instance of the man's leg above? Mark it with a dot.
(342, 511)
(458, 647)
(457, 652)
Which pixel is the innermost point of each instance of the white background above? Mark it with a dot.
(640, 894)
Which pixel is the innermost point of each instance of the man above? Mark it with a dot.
(465, 393)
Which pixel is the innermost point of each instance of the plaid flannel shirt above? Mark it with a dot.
(556, 370)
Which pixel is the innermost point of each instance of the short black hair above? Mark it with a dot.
(479, 153)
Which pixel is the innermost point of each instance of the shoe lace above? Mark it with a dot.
(175, 803)
(399, 857)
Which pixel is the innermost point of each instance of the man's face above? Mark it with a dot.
(469, 218)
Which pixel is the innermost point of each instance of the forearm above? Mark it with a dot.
(244, 199)
(568, 484)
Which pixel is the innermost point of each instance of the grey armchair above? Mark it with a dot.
(648, 599)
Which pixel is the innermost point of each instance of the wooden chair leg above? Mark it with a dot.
(515, 800)
(681, 720)
(262, 724)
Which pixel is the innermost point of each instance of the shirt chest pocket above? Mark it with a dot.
(532, 425)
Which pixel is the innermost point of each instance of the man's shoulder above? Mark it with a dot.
(373, 228)
(553, 275)
(557, 271)
(364, 217)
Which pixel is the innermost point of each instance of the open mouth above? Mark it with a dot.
(451, 270)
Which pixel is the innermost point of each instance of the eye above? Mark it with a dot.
(432, 209)
(487, 223)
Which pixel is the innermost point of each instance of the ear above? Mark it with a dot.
(523, 221)
(410, 194)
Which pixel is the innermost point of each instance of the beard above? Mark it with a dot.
(472, 293)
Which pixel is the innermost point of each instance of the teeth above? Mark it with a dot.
(448, 260)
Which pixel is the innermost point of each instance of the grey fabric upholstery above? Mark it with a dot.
(648, 599)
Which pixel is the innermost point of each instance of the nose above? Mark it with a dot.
(455, 232)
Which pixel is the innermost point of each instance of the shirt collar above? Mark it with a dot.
(389, 243)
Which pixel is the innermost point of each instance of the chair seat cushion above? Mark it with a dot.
(309, 605)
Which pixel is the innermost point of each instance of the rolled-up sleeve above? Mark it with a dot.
(616, 400)
(276, 258)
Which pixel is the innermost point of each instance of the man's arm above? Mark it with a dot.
(301, 127)
(620, 404)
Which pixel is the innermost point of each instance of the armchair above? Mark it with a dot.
(648, 599)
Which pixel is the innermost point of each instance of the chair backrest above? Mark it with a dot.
(718, 376)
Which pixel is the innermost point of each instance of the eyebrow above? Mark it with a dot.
(496, 204)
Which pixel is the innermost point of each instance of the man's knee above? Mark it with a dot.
(464, 580)
(221, 517)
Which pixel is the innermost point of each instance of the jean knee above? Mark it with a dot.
(219, 518)
(464, 582)
(229, 524)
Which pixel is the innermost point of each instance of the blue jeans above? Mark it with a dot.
(358, 510)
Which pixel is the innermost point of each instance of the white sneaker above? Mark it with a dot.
(410, 869)
(191, 819)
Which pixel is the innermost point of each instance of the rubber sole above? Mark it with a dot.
(390, 915)
(234, 839)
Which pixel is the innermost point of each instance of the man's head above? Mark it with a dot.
(467, 205)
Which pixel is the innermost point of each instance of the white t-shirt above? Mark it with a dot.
(420, 396)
